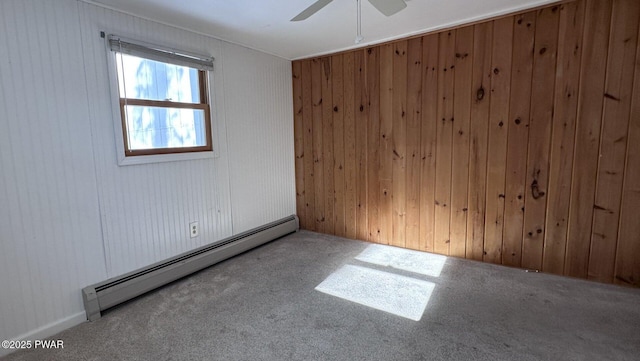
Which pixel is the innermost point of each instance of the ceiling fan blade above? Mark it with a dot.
(315, 7)
(388, 7)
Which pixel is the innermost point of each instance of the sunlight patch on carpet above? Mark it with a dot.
(400, 295)
(423, 263)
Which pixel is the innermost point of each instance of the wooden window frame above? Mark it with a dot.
(202, 105)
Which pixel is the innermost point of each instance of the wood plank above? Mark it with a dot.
(372, 108)
(613, 142)
(524, 29)
(590, 104)
(327, 146)
(309, 160)
(362, 125)
(563, 134)
(478, 139)
(627, 269)
(498, 132)
(399, 144)
(385, 209)
(542, 96)
(337, 93)
(461, 125)
(318, 168)
(430, 46)
(298, 134)
(350, 145)
(444, 134)
(413, 163)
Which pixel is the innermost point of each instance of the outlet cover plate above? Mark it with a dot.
(194, 229)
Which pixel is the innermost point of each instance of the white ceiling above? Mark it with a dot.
(264, 24)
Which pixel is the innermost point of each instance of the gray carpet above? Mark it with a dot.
(263, 305)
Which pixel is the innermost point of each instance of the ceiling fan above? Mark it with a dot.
(386, 7)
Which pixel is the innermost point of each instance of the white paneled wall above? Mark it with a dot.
(262, 178)
(69, 215)
(146, 209)
(50, 238)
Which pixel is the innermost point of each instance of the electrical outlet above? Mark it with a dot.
(194, 229)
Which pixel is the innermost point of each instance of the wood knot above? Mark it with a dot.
(543, 50)
(335, 109)
(609, 96)
(480, 93)
(496, 71)
(518, 121)
(536, 193)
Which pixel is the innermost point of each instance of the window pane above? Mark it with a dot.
(155, 127)
(140, 78)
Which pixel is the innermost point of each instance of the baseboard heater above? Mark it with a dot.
(114, 291)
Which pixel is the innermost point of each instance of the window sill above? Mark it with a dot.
(160, 158)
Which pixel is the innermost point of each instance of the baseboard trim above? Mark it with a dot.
(48, 330)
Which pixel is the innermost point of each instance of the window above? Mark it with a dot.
(163, 99)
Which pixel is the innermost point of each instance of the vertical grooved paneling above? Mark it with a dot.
(70, 215)
(542, 95)
(328, 160)
(430, 45)
(399, 144)
(50, 223)
(385, 174)
(298, 129)
(365, 211)
(338, 144)
(627, 265)
(351, 184)
(613, 141)
(461, 125)
(412, 151)
(478, 139)
(309, 159)
(364, 123)
(444, 134)
(524, 29)
(318, 159)
(563, 134)
(509, 141)
(498, 128)
(587, 141)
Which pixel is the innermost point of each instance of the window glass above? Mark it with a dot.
(163, 106)
(141, 78)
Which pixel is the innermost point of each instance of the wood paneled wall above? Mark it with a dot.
(512, 141)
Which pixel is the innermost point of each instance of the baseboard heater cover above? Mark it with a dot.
(109, 293)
